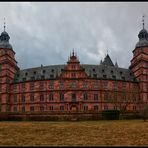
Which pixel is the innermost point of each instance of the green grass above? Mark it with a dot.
(86, 133)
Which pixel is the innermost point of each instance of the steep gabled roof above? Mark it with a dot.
(107, 61)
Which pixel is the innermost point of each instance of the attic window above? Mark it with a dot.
(114, 77)
(102, 70)
(34, 72)
(51, 76)
(111, 71)
(130, 73)
(94, 75)
(44, 71)
(42, 77)
(62, 69)
(94, 70)
(26, 74)
(24, 79)
(32, 78)
(123, 78)
(104, 76)
(121, 72)
(52, 70)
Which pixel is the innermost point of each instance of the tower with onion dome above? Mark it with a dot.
(8, 69)
(139, 63)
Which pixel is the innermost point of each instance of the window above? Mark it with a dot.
(115, 85)
(105, 85)
(51, 85)
(102, 70)
(26, 74)
(84, 85)
(23, 86)
(73, 75)
(51, 76)
(114, 77)
(106, 95)
(42, 77)
(15, 109)
(41, 108)
(52, 70)
(41, 85)
(105, 107)
(32, 108)
(23, 98)
(61, 107)
(73, 97)
(94, 75)
(95, 96)
(85, 108)
(42, 97)
(14, 88)
(95, 85)
(34, 72)
(32, 86)
(32, 78)
(24, 79)
(50, 96)
(104, 76)
(50, 107)
(85, 96)
(61, 97)
(44, 71)
(96, 107)
(61, 85)
(23, 108)
(15, 98)
(94, 70)
(73, 84)
(134, 107)
(115, 107)
(112, 71)
(31, 98)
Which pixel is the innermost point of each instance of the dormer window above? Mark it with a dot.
(44, 71)
(26, 74)
(34, 72)
(114, 77)
(121, 72)
(42, 77)
(111, 71)
(123, 78)
(94, 70)
(102, 70)
(104, 76)
(52, 70)
(24, 79)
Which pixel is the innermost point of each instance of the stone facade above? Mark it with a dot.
(73, 87)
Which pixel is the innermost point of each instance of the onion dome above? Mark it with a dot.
(4, 40)
(143, 37)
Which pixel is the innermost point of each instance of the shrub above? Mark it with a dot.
(110, 114)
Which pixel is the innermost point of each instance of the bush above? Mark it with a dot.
(110, 114)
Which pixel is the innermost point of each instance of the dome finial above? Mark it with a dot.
(143, 20)
(4, 24)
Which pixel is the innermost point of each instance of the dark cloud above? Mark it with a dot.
(46, 32)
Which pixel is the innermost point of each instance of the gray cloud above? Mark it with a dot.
(46, 32)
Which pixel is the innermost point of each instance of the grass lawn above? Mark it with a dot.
(86, 133)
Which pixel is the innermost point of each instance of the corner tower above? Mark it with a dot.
(8, 69)
(139, 63)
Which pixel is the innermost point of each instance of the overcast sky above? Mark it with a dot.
(46, 32)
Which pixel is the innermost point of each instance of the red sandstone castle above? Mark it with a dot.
(74, 86)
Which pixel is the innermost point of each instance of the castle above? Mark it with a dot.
(73, 87)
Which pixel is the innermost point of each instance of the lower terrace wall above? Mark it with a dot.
(61, 116)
